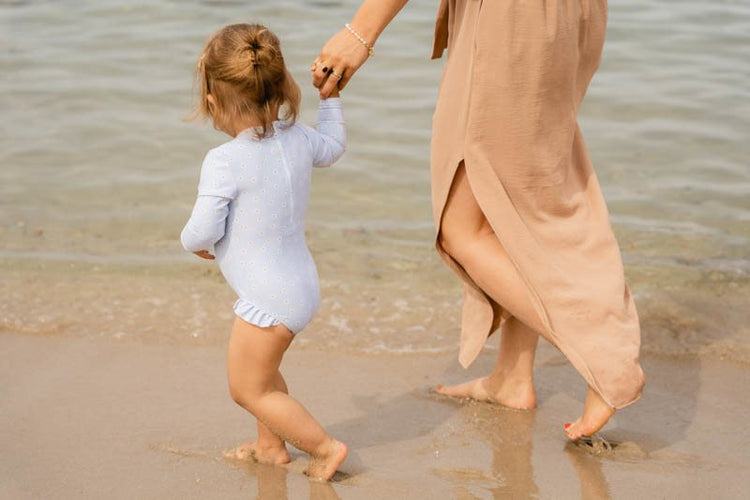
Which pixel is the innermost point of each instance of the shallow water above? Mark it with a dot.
(99, 174)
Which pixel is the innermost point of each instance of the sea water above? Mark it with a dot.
(98, 173)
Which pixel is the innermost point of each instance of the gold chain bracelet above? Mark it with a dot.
(370, 49)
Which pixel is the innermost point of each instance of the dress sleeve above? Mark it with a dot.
(328, 140)
(216, 190)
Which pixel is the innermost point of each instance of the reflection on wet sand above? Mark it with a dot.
(509, 433)
(322, 491)
(271, 479)
(272, 482)
(589, 469)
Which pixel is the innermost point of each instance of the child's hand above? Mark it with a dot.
(203, 254)
(335, 92)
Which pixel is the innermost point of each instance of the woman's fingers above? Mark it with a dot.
(326, 75)
(319, 73)
(344, 81)
(203, 254)
(332, 82)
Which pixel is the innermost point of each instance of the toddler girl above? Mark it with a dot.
(251, 206)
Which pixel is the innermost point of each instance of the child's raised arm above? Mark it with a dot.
(207, 223)
(328, 140)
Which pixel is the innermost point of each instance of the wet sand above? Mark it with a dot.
(104, 418)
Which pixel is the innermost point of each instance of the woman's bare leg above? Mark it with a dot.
(511, 382)
(467, 236)
(253, 364)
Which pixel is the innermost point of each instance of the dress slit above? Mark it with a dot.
(515, 76)
(495, 313)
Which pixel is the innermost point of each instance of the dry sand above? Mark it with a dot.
(107, 419)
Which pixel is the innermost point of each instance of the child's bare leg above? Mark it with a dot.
(269, 445)
(253, 363)
(269, 448)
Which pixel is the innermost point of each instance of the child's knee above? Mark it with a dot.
(239, 394)
(245, 395)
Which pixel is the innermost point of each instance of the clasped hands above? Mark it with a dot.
(337, 62)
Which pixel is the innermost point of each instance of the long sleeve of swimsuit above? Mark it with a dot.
(328, 140)
(216, 190)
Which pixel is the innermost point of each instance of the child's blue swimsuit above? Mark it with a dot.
(252, 202)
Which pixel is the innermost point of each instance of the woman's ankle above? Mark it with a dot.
(506, 379)
(511, 390)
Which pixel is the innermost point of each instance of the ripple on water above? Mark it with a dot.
(99, 172)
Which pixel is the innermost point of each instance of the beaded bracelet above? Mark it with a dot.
(369, 48)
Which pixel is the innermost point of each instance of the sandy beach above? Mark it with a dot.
(112, 338)
(93, 419)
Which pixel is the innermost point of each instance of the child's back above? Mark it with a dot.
(264, 183)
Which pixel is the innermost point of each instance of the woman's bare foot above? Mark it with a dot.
(323, 465)
(596, 414)
(261, 454)
(519, 394)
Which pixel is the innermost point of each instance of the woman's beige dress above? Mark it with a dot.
(515, 75)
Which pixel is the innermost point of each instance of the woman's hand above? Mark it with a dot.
(339, 59)
(203, 254)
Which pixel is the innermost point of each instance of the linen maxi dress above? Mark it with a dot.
(515, 75)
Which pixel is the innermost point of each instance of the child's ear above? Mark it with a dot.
(211, 103)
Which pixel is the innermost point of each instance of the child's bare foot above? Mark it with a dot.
(261, 454)
(323, 465)
(519, 394)
(596, 414)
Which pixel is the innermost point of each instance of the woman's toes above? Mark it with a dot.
(472, 389)
(596, 414)
(573, 430)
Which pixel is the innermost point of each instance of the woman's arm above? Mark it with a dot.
(344, 53)
(374, 15)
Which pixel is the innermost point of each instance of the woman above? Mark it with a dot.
(519, 213)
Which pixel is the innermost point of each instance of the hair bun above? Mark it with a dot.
(261, 45)
(242, 67)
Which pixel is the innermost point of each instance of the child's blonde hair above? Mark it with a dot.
(243, 69)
